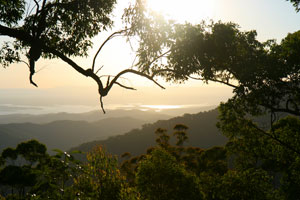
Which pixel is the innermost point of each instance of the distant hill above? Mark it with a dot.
(65, 134)
(147, 116)
(202, 133)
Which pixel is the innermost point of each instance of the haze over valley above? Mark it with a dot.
(150, 99)
(66, 130)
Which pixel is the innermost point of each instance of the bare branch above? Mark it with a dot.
(276, 139)
(158, 57)
(27, 9)
(102, 106)
(133, 61)
(129, 41)
(107, 82)
(123, 86)
(113, 77)
(105, 76)
(215, 80)
(287, 110)
(42, 68)
(31, 81)
(99, 69)
(23, 36)
(102, 45)
(36, 14)
(37, 6)
(133, 72)
(22, 61)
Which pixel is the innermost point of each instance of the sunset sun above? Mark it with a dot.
(181, 11)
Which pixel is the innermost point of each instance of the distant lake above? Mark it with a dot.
(30, 109)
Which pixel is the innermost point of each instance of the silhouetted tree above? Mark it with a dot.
(63, 29)
(296, 4)
(159, 176)
(22, 176)
(101, 178)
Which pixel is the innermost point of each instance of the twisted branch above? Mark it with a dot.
(103, 91)
(102, 45)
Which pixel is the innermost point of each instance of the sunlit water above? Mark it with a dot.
(6, 109)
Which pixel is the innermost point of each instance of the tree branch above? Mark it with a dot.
(99, 69)
(102, 106)
(286, 110)
(123, 86)
(154, 73)
(22, 61)
(59, 5)
(158, 57)
(215, 80)
(133, 72)
(276, 139)
(102, 45)
(27, 38)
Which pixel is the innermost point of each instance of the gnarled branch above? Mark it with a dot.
(102, 45)
(103, 91)
(133, 72)
(124, 86)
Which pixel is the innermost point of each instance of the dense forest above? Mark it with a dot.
(258, 161)
(202, 133)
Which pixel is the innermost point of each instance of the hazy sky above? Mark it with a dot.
(271, 19)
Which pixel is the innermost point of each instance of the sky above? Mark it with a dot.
(60, 84)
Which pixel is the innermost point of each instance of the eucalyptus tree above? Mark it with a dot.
(264, 76)
(296, 4)
(63, 29)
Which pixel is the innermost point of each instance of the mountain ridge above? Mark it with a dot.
(202, 133)
(90, 116)
(64, 134)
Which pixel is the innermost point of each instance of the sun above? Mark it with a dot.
(184, 11)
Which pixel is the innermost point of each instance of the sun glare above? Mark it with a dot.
(161, 107)
(184, 11)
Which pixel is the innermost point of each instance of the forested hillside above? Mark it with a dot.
(253, 155)
(202, 133)
(65, 134)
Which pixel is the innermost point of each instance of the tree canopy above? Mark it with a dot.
(217, 52)
(262, 154)
(62, 29)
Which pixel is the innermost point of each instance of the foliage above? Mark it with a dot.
(220, 52)
(137, 141)
(29, 171)
(217, 52)
(64, 29)
(32, 151)
(154, 34)
(205, 165)
(56, 173)
(265, 81)
(296, 4)
(11, 11)
(274, 151)
(264, 158)
(166, 172)
(159, 176)
(249, 184)
(59, 23)
(101, 178)
(20, 177)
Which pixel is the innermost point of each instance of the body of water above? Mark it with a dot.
(6, 109)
